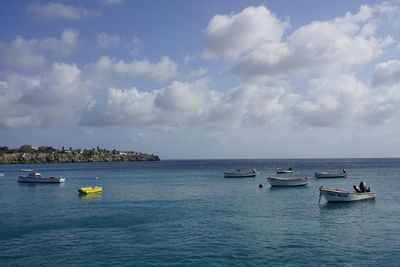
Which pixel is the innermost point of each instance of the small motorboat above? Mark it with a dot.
(239, 173)
(337, 195)
(36, 177)
(284, 171)
(90, 189)
(275, 181)
(341, 174)
(26, 170)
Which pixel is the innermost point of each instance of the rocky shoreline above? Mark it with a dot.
(61, 157)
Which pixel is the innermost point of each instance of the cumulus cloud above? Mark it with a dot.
(26, 54)
(232, 35)
(59, 11)
(387, 73)
(337, 101)
(189, 104)
(106, 68)
(255, 37)
(331, 101)
(344, 100)
(325, 53)
(383, 105)
(200, 72)
(128, 107)
(51, 98)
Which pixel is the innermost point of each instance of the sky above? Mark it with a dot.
(187, 79)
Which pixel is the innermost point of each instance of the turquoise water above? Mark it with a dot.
(184, 213)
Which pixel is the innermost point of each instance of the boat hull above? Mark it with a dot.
(240, 175)
(287, 182)
(41, 180)
(283, 171)
(330, 175)
(339, 196)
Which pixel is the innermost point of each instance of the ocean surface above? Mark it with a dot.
(185, 213)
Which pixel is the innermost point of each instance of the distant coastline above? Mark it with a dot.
(28, 154)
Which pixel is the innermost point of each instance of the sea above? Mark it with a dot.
(185, 213)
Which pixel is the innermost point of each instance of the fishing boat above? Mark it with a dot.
(90, 189)
(275, 181)
(36, 177)
(284, 171)
(337, 195)
(341, 174)
(240, 173)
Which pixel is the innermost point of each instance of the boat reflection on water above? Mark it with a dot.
(91, 196)
(345, 206)
(41, 184)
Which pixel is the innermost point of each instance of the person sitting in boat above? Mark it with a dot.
(344, 170)
(364, 188)
(356, 189)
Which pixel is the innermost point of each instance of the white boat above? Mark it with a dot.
(36, 177)
(341, 174)
(26, 170)
(275, 181)
(337, 195)
(239, 173)
(283, 171)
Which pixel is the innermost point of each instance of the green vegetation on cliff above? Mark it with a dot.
(48, 154)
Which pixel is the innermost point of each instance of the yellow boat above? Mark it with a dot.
(90, 189)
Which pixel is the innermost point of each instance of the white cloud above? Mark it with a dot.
(344, 101)
(190, 104)
(255, 38)
(106, 68)
(128, 107)
(113, 2)
(339, 101)
(232, 35)
(387, 73)
(183, 97)
(188, 58)
(200, 72)
(161, 71)
(325, 53)
(383, 105)
(107, 40)
(51, 98)
(331, 102)
(29, 54)
(59, 11)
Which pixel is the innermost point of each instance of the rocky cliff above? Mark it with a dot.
(58, 157)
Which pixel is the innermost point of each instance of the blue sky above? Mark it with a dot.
(202, 79)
